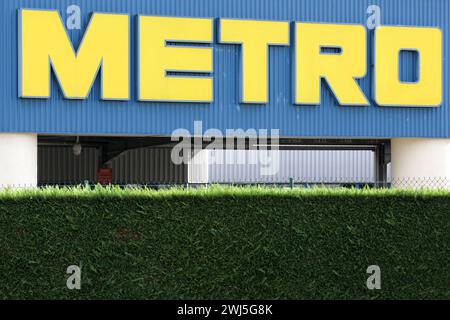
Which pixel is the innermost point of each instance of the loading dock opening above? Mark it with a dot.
(147, 161)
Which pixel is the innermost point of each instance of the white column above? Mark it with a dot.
(420, 163)
(18, 160)
(198, 167)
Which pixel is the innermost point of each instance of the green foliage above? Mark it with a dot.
(224, 243)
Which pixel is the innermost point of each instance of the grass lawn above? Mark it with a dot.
(224, 243)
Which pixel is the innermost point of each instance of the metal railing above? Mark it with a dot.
(357, 183)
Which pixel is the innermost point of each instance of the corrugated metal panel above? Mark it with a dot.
(58, 165)
(147, 166)
(330, 120)
(247, 166)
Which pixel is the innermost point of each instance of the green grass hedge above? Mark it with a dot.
(224, 243)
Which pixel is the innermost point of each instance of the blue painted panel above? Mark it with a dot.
(409, 66)
(93, 116)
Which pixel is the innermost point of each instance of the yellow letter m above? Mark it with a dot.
(44, 43)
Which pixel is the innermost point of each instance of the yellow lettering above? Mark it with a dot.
(255, 37)
(44, 41)
(389, 90)
(156, 58)
(339, 69)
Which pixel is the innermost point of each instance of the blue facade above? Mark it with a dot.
(94, 116)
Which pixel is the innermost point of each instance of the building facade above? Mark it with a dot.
(123, 76)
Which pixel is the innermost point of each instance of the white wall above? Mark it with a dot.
(18, 160)
(198, 167)
(420, 163)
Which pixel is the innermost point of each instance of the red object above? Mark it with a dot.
(104, 176)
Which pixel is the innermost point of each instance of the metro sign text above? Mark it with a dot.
(44, 45)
